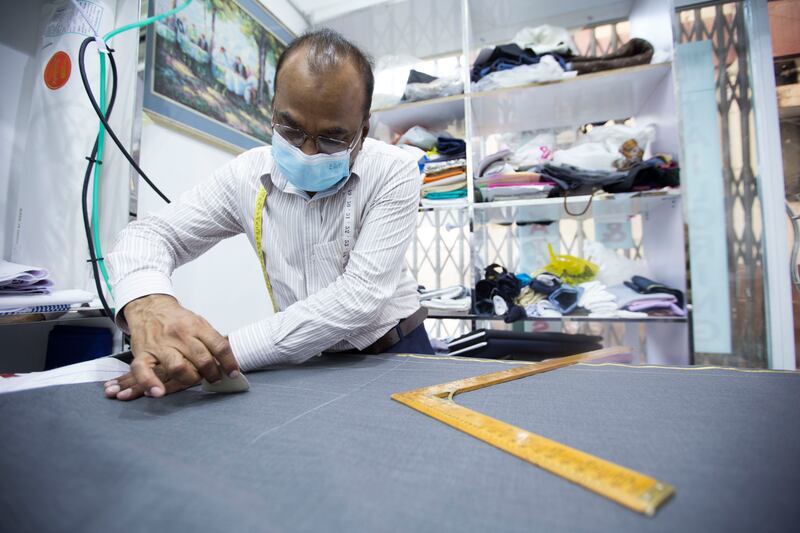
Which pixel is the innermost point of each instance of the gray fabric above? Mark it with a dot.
(323, 448)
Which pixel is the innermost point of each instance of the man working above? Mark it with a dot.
(337, 212)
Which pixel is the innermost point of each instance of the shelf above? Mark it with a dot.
(435, 114)
(598, 97)
(612, 94)
(532, 210)
(571, 318)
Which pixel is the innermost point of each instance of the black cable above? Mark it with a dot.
(103, 119)
(87, 177)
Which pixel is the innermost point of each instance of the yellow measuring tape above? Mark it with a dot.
(258, 223)
(622, 485)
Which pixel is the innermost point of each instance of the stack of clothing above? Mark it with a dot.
(615, 158)
(498, 180)
(547, 53)
(642, 294)
(508, 65)
(444, 178)
(450, 300)
(498, 344)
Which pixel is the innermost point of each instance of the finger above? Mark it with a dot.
(220, 348)
(145, 376)
(177, 367)
(203, 361)
(131, 393)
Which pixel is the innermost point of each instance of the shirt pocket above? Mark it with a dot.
(328, 265)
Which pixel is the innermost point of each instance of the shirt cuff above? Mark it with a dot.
(137, 285)
(252, 346)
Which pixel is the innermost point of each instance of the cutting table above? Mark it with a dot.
(322, 447)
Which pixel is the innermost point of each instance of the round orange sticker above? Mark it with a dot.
(57, 71)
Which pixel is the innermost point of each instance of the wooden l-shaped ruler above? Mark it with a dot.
(622, 485)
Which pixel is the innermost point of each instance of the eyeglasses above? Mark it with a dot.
(325, 145)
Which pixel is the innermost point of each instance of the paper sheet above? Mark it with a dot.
(101, 369)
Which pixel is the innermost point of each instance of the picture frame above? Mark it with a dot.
(209, 69)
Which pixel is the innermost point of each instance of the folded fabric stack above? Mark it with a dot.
(600, 302)
(498, 344)
(548, 53)
(444, 178)
(653, 303)
(453, 300)
(498, 180)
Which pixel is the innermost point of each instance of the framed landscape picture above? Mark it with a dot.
(210, 68)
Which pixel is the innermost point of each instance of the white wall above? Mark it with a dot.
(18, 25)
(225, 285)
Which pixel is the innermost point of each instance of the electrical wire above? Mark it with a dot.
(90, 165)
(99, 113)
(96, 157)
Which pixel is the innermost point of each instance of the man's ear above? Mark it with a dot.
(365, 132)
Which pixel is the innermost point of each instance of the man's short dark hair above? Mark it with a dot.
(327, 49)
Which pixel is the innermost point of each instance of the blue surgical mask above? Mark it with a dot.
(312, 173)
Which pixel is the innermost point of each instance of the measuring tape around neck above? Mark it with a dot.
(348, 237)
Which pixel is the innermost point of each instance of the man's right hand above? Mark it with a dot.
(182, 345)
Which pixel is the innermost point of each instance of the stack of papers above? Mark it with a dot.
(29, 289)
(23, 279)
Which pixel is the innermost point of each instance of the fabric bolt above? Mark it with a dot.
(443, 188)
(328, 434)
(328, 299)
(435, 167)
(507, 178)
(459, 171)
(459, 178)
(458, 193)
(495, 344)
(635, 52)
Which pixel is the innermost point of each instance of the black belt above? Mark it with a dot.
(397, 333)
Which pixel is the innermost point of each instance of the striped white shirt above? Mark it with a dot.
(328, 299)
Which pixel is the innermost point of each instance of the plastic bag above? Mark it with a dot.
(572, 270)
(435, 89)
